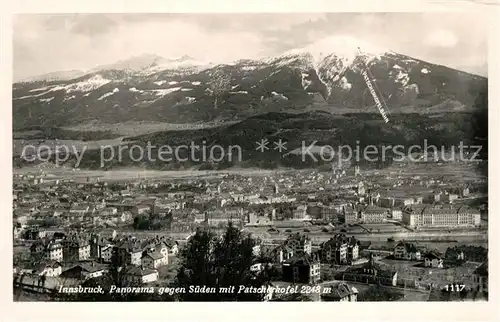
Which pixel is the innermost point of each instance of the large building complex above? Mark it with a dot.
(433, 216)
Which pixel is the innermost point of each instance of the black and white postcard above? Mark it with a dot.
(251, 157)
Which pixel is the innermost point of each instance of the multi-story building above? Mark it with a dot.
(387, 202)
(154, 260)
(432, 216)
(350, 215)
(374, 214)
(224, 216)
(299, 244)
(302, 269)
(55, 251)
(370, 273)
(397, 213)
(139, 275)
(128, 252)
(300, 212)
(340, 250)
(281, 254)
(75, 248)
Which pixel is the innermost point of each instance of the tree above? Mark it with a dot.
(220, 82)
(219, 263)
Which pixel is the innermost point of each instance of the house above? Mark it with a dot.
(153, 260)
(125, 216)
(140, 209)
(340, 250)
(38, 247)
(48, 268)
(433, 259)
(407, 251)
(370, 273)
(281, 253)
(481, 278)
(106, 253)
(301, 269)
(55, 251)
(34, 233)
(173, 247)
(300, 244)
(75, 248)
(340, 292)
(163, 246)
(139, 275)
(129, 252)
(85, 270)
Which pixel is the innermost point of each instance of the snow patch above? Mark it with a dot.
(90, 84)
(274, 73)
(397, 67)
(279, 96)
(40, 89)
(186, 89)
(116, 90)
(46, 100)
(425, 71)
(162, 92)
(305, 82)
(402, 78)
(133, 89)
(196, 83)
(248, 68)
(345, 47)
(190, 99)
(411, 87)
(344, 83)
(173, 83)
(159, 83)
(234, 87)
(239, 92)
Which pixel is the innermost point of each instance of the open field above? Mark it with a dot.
(131, 174)
(135, 128)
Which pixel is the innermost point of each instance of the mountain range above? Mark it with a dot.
(326, 76)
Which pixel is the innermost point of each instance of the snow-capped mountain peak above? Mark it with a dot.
(345, 48)
(146, 64)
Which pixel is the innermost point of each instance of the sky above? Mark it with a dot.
(44, 43)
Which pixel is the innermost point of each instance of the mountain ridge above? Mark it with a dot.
(328, 77)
